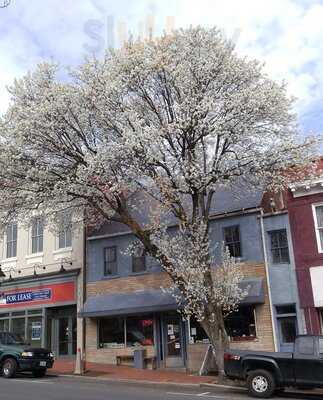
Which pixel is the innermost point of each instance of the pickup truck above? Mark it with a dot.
(268, 373)
(17, 356)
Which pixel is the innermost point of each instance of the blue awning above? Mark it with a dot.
(141, 301)
(153, 300)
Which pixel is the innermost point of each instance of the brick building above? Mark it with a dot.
(126, 309)
(305, 208)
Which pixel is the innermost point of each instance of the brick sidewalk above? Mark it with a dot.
(129, 373)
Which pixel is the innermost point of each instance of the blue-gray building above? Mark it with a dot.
(126, 308)
(287, 316)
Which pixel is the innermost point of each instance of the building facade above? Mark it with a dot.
(126, 309)
(305, 208)
(41, 285)
(287, 316)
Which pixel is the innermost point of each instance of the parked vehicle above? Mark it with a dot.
(17, 356)
(268, 373)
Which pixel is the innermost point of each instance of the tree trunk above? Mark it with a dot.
(219, 341)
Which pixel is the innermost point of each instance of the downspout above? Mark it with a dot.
(268, 279)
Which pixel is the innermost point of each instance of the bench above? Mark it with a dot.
(130, 357)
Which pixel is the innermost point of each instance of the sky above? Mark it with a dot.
(287, 35)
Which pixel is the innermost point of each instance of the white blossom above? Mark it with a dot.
(177, 119)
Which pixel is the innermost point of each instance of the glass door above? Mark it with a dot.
(173, 341)
(64, 336)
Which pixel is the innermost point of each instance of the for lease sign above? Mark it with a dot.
(50, 294)
(22, 297)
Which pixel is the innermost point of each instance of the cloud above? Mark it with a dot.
(286, 34)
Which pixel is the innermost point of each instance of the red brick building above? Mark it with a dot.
(305, 208)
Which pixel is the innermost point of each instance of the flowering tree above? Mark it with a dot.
(176, 118)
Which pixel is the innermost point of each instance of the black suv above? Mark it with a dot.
(17, 356)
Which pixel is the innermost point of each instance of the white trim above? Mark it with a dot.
(9, 260)
(35, 258)
(63, 250)
(316, 274)
(317, 232)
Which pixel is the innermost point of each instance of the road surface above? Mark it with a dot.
(64, 388)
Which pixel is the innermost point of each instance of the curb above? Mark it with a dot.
(132, 381)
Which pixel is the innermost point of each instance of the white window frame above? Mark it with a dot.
(317, 228)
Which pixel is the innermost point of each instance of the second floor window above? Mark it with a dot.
(139, 260)
(37, 233)
(65, 232)
(110, 261)
(11, 240)
(232, 240)
(318, 220)
(279, 246)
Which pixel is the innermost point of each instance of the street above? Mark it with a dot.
(54, 388)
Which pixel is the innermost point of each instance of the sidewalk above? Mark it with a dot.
(113, 372)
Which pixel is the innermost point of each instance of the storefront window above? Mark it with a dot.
(240, 324)
(198, 334)
(34, 331)
(129, 331)
(111, 332)
(18, 326)
(4, 325)
(140, 331)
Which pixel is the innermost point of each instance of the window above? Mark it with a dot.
(110, 261)
(306, 345)
(140, 331)
(126, 332)
(279, 246)
(4, 325)
(320, 345)
(318, 221)
(37, 232)
(12, 240)
(139, 260)
(65, 231)
(241, 324)
(111, 332)
(232, 240)
(18, 326)
(288, 330)
(286, 309)
(197, 333)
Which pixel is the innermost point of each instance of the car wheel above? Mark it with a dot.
(39, 373)
(261, 384)
(9, 368)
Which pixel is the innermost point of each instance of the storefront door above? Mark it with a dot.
(287, 333)
(173, 339)
(64, 336)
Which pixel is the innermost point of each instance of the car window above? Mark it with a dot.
(321, 346)
(306, 346)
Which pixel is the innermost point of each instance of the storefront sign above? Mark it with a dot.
(23, 297)
(49, 294)
(36, 331)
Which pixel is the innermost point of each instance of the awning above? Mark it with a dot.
(141, 301)
(153, 300)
